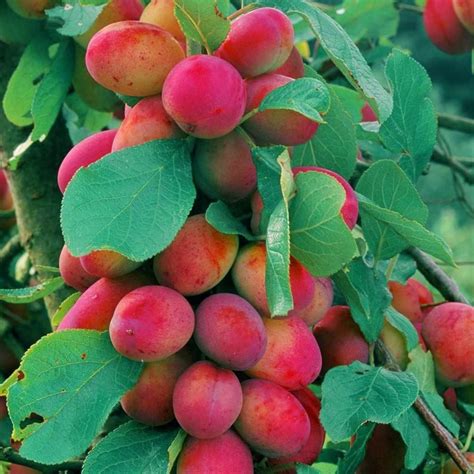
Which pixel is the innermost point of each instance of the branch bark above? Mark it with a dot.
(454, 122)
(33, 185)
(10, 455)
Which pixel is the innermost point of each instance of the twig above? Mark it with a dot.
(10, 455)
(10, 249)
(437, 277)
(409, 8)
(455, 165)
(454, 122)
(441, 433)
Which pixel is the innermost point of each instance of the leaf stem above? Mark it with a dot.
(470, 435)
(243, 9)
(409, 8)
(248, 115)
(10, 249)
(246, 137)
(391, 266)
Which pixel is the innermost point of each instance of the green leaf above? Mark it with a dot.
(307, 96)
(404, 269)
(388, 186)
(365, 290)
(63, 308)
(334, 146)
(421, 365)
(351, 461)
(69, 379)
(75, 17)
(368, 18)
(133, 201)
(305, 469)
(128, 99)
(411, 129)
(320, 239)
(350, 100)
(411, 231)
(415, 435)
(131, 448)
(221, 218)
(355, 394)
(436, 404)
(202, 21)
(341, 50)
(175, 449)
(31, 293)
(277, 268)
(24, 82)
(404, 325)
(52, 91)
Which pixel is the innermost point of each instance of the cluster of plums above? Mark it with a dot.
(450, 24)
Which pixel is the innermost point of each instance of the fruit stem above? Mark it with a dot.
(470, 435)
(243, 9)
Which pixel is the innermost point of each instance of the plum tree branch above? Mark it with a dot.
(442, 434)
(454, 164)
(437, 276)
(10, 455)
(454, 122)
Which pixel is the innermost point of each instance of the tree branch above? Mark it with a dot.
(454, 122)
(442, 434)
(437, 276)
(455, 165)
(10, 455)
(33, 185)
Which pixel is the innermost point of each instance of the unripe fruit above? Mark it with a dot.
(230, 331)
(87, 151)
(311, 449)
(73, 272)
(150, 401)
(132, 58)
(447, 331)
(205, 96)
(92, 93)
(395, 342)
(258, 42)
(207, 400)
(340, 339)
(31, 9)
(292, 358)
(113, 12)
(225, 454)
(161, 13)
(95, 307)
(465, 11)
(144, 122)
(311, 296)
(223, 168)
(151, 323)
(444, 28)
(350, 207)
(272, 421)
(293, 67)
(279, 127)
(197, 259)
(108, 264)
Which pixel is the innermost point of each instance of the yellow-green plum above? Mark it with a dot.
(144, 122)
(108, 264)
(447, 331)
(205, 96)
(151, 323)
(292, 357)
(226, 453)
(161, 13)
(272, 420)
(197, 259)
(278, 127)
(132, 58)
(258, 42)
(223, 168)
(113, 12)
(207, 400)
(92, 93)
(150, 401)
(230, 331)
